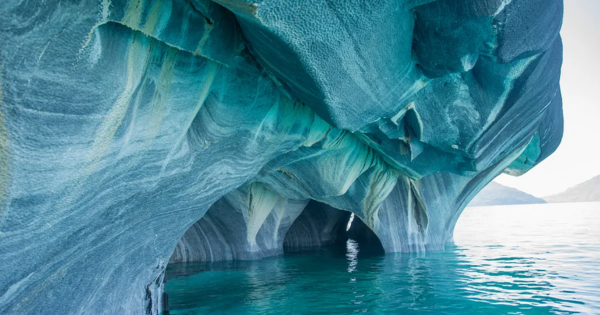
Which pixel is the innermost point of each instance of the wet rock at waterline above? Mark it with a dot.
(126, 123)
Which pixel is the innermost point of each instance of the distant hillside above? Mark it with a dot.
(495, 194)
(586, 191)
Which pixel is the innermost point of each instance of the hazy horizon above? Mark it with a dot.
(577, 158)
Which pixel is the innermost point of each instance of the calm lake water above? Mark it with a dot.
(526, 259)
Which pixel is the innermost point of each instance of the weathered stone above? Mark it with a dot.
(123, 123)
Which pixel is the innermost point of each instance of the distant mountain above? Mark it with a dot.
(495, 194)
(586, 191)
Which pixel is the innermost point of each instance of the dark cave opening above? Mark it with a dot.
(292, 226)
(316, 234)
(322, 227)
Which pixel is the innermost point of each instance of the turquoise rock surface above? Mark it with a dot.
(138, 132)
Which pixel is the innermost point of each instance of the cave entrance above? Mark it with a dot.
(218, 242)
(321, 227)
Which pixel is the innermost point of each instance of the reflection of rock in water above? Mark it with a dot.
(123, 125)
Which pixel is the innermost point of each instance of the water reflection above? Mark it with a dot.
(352, 254)
(489, 273)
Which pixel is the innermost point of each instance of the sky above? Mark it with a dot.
(578, 157)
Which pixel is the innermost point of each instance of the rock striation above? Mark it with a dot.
(138, 132)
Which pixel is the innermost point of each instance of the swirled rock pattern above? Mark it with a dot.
(134, 132)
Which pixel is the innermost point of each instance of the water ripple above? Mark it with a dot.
(506, 260)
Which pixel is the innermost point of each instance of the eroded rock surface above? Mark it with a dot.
(126, 123)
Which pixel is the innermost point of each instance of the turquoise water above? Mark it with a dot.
(528, 259)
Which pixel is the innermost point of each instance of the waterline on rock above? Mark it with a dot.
(528, 264)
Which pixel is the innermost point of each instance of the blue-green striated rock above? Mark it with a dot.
(138, 132)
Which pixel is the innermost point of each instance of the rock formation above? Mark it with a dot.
(126, 123)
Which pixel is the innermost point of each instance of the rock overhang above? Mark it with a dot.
(125, 122)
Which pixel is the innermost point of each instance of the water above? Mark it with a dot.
(528, 259)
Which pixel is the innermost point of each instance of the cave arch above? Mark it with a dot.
(290, 226)
(246, 224)
(322, 225)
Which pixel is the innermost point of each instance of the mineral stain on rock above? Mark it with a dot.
(138, 132)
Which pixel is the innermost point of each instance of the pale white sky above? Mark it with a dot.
(578, 157)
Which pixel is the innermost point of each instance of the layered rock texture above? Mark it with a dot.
(135, 132)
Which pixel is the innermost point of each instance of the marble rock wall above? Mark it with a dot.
(135, 132)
